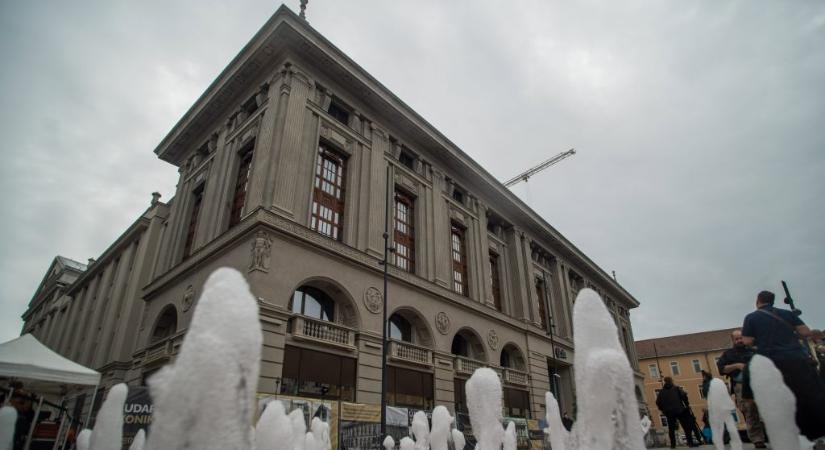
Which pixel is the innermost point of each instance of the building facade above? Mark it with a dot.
(284, 165)
(682, 358)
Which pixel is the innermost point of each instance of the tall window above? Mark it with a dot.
(459, 254)
(193, 221)
(241, 184)
(328, 194)
(541, 299)
(674, 368)
(654, 371)
(404, 232)
(494, 280)
(697, 366)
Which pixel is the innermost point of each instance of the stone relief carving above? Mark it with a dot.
(492, 339)
(261, 251)
(373, 300)
(188, 298)
(442, 322)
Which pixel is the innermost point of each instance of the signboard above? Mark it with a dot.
(137, 413)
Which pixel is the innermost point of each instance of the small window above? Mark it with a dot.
(701, 393)
(458, 196)
(407, 160)
(674, 368)
(654, 371)
(663, 420)
(697, 366)
(250, 106)
(338, 112)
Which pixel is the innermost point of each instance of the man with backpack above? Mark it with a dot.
(673, 403)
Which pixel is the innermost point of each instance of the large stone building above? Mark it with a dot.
(682, 358)
(283, 166)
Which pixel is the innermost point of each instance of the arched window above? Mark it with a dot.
(314, 303)
(400, 328)
(460, 346)
(504, 361)
(166, 325)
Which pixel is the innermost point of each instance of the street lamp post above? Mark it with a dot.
(385, 263)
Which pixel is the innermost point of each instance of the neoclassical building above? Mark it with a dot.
(283, 166)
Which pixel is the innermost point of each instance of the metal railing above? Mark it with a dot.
(405, 351)
(304, 327)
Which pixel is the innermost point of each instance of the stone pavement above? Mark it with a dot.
(708, 447)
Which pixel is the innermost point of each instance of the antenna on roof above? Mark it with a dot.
(303, 14)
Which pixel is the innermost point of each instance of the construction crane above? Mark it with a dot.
(524, 176)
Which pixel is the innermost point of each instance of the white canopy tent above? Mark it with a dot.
(44, 371)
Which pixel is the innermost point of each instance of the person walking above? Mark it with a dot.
(673, 403)
(732, 363)
(776, 333)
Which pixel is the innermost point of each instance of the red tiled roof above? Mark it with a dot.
(683, 344)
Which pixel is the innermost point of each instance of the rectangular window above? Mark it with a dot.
(193, 222)
(697, 366)
(241, 184)
(495, 281)
(541, 298)
(701, 394)
(328, 194)
(404, 236)
(459, 255)
(338, 112)
(654, 371)
(674, 368)
(663, 420)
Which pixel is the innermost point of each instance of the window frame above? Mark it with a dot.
(541, 296)
(458, 238)
(407, 240)
(192, 227)
(324, 201)
(241, 188)
(325, 303)
(678, 371)
(495, 280)
(697, 366)
(651, 368)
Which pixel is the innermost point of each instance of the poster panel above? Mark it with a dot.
(360, 427)
(137, 413)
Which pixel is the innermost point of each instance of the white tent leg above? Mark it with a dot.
(59, 430)
(34, 422)
(91, 407)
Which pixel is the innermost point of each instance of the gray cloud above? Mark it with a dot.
(700, 173)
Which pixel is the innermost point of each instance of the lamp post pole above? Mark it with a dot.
(385, 263)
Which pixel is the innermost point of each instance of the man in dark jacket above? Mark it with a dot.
(776, 333)
(672, 402)
(732, 363)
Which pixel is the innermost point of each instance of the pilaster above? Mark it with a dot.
(441, 231)
(377, 191)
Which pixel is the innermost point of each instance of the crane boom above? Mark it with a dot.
(524, 176)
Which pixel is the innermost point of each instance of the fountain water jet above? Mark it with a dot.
(720, 408)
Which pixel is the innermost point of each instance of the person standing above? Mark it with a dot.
(776, 334)
(732, 363)
(567, 421)
(672, 402)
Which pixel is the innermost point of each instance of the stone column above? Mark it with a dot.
(81, 302)
(519, 278)
(285, 182)
(68, 324)
(441, 231)
(369, 369)
(443, 380)
(484, 257)
(258, 188)
(377, 190)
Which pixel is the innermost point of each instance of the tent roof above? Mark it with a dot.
(26, 358)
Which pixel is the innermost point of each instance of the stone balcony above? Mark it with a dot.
(160, 352)
(467, 366)
(323, 332)
(513, 376)
(411, 353)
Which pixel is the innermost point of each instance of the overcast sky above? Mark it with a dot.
(699, 126)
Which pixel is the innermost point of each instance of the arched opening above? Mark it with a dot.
(313, 302)
(407, 325)
(468, 344)
(400, 328)
(512, 358)
(324, 299)
(166, 325)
